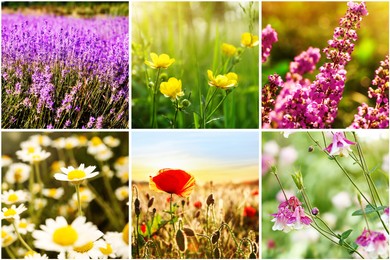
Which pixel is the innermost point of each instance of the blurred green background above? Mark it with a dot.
(303, 24)
(83, 9)
(327, 187)
(192, 33)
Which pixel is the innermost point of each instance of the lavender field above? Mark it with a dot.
(64, 72)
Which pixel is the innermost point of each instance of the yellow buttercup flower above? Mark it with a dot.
(226, 81)
(228, 49)
(159, 61)
(172, 88)
(249, 40)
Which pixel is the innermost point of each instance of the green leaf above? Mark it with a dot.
(341, 241)
(354, 246)
(373, 169)
(346, 234)
(368, 210)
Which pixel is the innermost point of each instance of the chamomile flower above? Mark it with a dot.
(39, 203)
(5, 161)
(119, 241)
(122, 193)
(121, 162)
(90, 250)
(111, 141)
(35, 255)
(12, 212)
(76, 175)
(56, 166)
(123, 174)
(17, 173)
(54, 193)
(32, 154)
(24, 226)
(66, 143)
(106, 250)
(42, 140)
(104, 155)
(95, 145)
(8, 235)
(13, 197)
(57, 235)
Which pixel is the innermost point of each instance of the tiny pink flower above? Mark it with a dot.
(340, 145)
(374, 244)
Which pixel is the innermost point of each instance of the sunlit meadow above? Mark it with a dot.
(325, 195)
(64, 71)
(195, 65)
(65, 195)
(195, 196)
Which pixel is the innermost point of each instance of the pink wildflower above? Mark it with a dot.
(374, 244)
(340, 145)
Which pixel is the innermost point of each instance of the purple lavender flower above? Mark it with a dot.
(378, 116)
(91, 122)
(268, 37)
(99, 122)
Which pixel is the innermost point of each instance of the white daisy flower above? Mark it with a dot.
(8, 235)
(83, 140)
(13, 197)
(39, 203)
(32, 154)
(106, 250)
(42, 140)
(76, 175)
(56, 166)
(107, 171)
(24, 226)
(123, 174)
(111, 141)
(57, 235)
(95, 145)
(119, 242)
(5, 161)
(54, 193)
(13, 212)
(122, 193)
(104, 155)
(35, 255)
(90, 250)
(121, 162)
(17, 173)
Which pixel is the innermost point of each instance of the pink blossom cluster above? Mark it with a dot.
(290, 216)
(305, 104)
(374, 244)
(378, 116)
(268, 37)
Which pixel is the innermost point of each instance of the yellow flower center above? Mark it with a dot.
(65, 236)
(125, 233)
(10, 212)
(31, 150)
(18, 174)
(124, 193)
(106, 250)
(3, 234)
(68, 145)
(121, 160)
(23, 225)
(84, 248)
(96, 141)
(52, 192)
(83, 198)
(76, 174)
(125, 176)
(13, 198)
(83, 139)
(30, 253)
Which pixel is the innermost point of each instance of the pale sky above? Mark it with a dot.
(218, 156)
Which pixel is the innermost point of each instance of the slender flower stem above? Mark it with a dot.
(77, 187)
(216, 108)
(9, 252)
(206, 106)
(176, 111)
(280, 183)
(232, 235)
(154, 104)
(20, 238)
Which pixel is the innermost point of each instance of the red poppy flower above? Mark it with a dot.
(255, 192)
(173, 181)
(197, 204)
(249, 212)
(143, 228)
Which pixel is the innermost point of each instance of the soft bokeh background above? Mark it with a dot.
(192, 33)
(327, 187)
(303, 24)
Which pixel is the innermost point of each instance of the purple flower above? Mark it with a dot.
(306, 61)
(91, 122)
(290, 216)
(340, 145)
(99, 122)
(374, 244)
(268, 37)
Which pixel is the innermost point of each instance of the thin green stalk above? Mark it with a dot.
(206, 106)
(77, 187)
(38, 174)
(136, 237)
(210, 243)
(154, 104)
(219, 104)
(280, 183)
(20, 238)
(176, 103)
(10, 253)
(233, 236)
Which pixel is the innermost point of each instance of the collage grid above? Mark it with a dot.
(135, 130)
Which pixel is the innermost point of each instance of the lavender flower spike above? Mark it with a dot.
(268, 37)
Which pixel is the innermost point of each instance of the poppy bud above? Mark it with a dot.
(147, 196)
(310, 149)
(150, 202)
(217, 253)
(181, 240)
(252, 255)
(183, 202)
(210, 200)
(136, 203)
(315, 211)
(215, 237)
(197, 214)
(154, 210)
(189, 232)
(137, 211)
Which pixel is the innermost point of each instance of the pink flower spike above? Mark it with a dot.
(340, 145)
